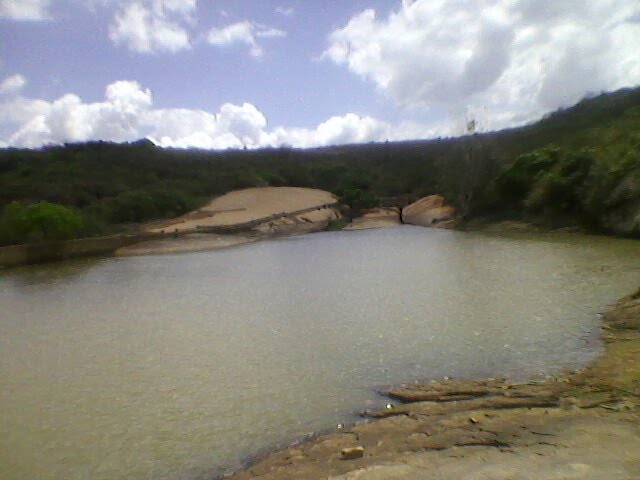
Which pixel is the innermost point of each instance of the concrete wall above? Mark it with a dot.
(24, 254)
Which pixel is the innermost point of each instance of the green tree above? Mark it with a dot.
(39, 222)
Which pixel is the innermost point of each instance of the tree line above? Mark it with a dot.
(580, 164)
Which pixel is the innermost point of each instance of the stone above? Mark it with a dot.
(381, 217)
(352, 453)
(431, 211)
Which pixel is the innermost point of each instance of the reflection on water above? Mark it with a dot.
(51, 273)
(179, 366)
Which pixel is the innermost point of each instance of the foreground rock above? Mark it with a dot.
(583, 425)
(376, 218)
(431, 211)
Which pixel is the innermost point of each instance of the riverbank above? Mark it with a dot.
(16, 255)
(239, 217)
(236, 218)
(248, 215)
(580, 425)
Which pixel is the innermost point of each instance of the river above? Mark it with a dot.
(182, 366)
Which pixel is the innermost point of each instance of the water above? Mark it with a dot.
(180, 366)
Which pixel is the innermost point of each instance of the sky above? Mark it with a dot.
(219, 74)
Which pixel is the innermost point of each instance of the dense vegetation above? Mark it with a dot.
(38, 222)
(580, 165)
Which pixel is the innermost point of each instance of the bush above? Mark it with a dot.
(146, 204)
(359, 200)
(516, 181)
(38, 222)
(562, 189)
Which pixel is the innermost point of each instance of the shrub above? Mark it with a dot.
(145, 204)
(515, 181)
(359, 200)
(39, 222)
(562, 189)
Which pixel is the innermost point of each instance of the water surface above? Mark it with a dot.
(179, 366)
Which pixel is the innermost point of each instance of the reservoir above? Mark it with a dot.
(182, 366)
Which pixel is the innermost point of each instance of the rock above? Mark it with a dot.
(381, 217)
(622, 215)
(430, 211)
(352, 453)
(313, 221)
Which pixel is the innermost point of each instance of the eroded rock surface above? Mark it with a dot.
(376, 218)
(308, 222)
(431, 211)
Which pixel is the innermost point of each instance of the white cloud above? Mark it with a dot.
(127, 114)
(184, 7)
(68, 119)
(12, 84)
(286, 11)
(513, 59)
(17, 111)
(25, 10)
(244, 33)
(271, 33)
(153, 26)
(234, 126)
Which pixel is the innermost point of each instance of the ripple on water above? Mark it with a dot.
(175, 366)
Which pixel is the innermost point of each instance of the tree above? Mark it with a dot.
(42, 221)
(476, 167)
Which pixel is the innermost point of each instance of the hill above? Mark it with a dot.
(579, 165)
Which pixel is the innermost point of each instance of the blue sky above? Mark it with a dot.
(228, 74)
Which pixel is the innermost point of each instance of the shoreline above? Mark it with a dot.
(457, 429)
(474, 422)
(197, 242)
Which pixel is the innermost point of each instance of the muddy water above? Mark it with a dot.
(180, 366)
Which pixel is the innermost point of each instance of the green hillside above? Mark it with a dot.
(580, 165)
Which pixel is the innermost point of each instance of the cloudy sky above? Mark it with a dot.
(236, 73)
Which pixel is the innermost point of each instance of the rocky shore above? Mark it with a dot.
(581, 425)
(271, 212)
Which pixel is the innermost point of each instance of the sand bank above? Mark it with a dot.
(243, 206)
(285, 211)
(195, 242)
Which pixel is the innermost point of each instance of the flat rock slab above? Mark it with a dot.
(585, 447)
(376, 218)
